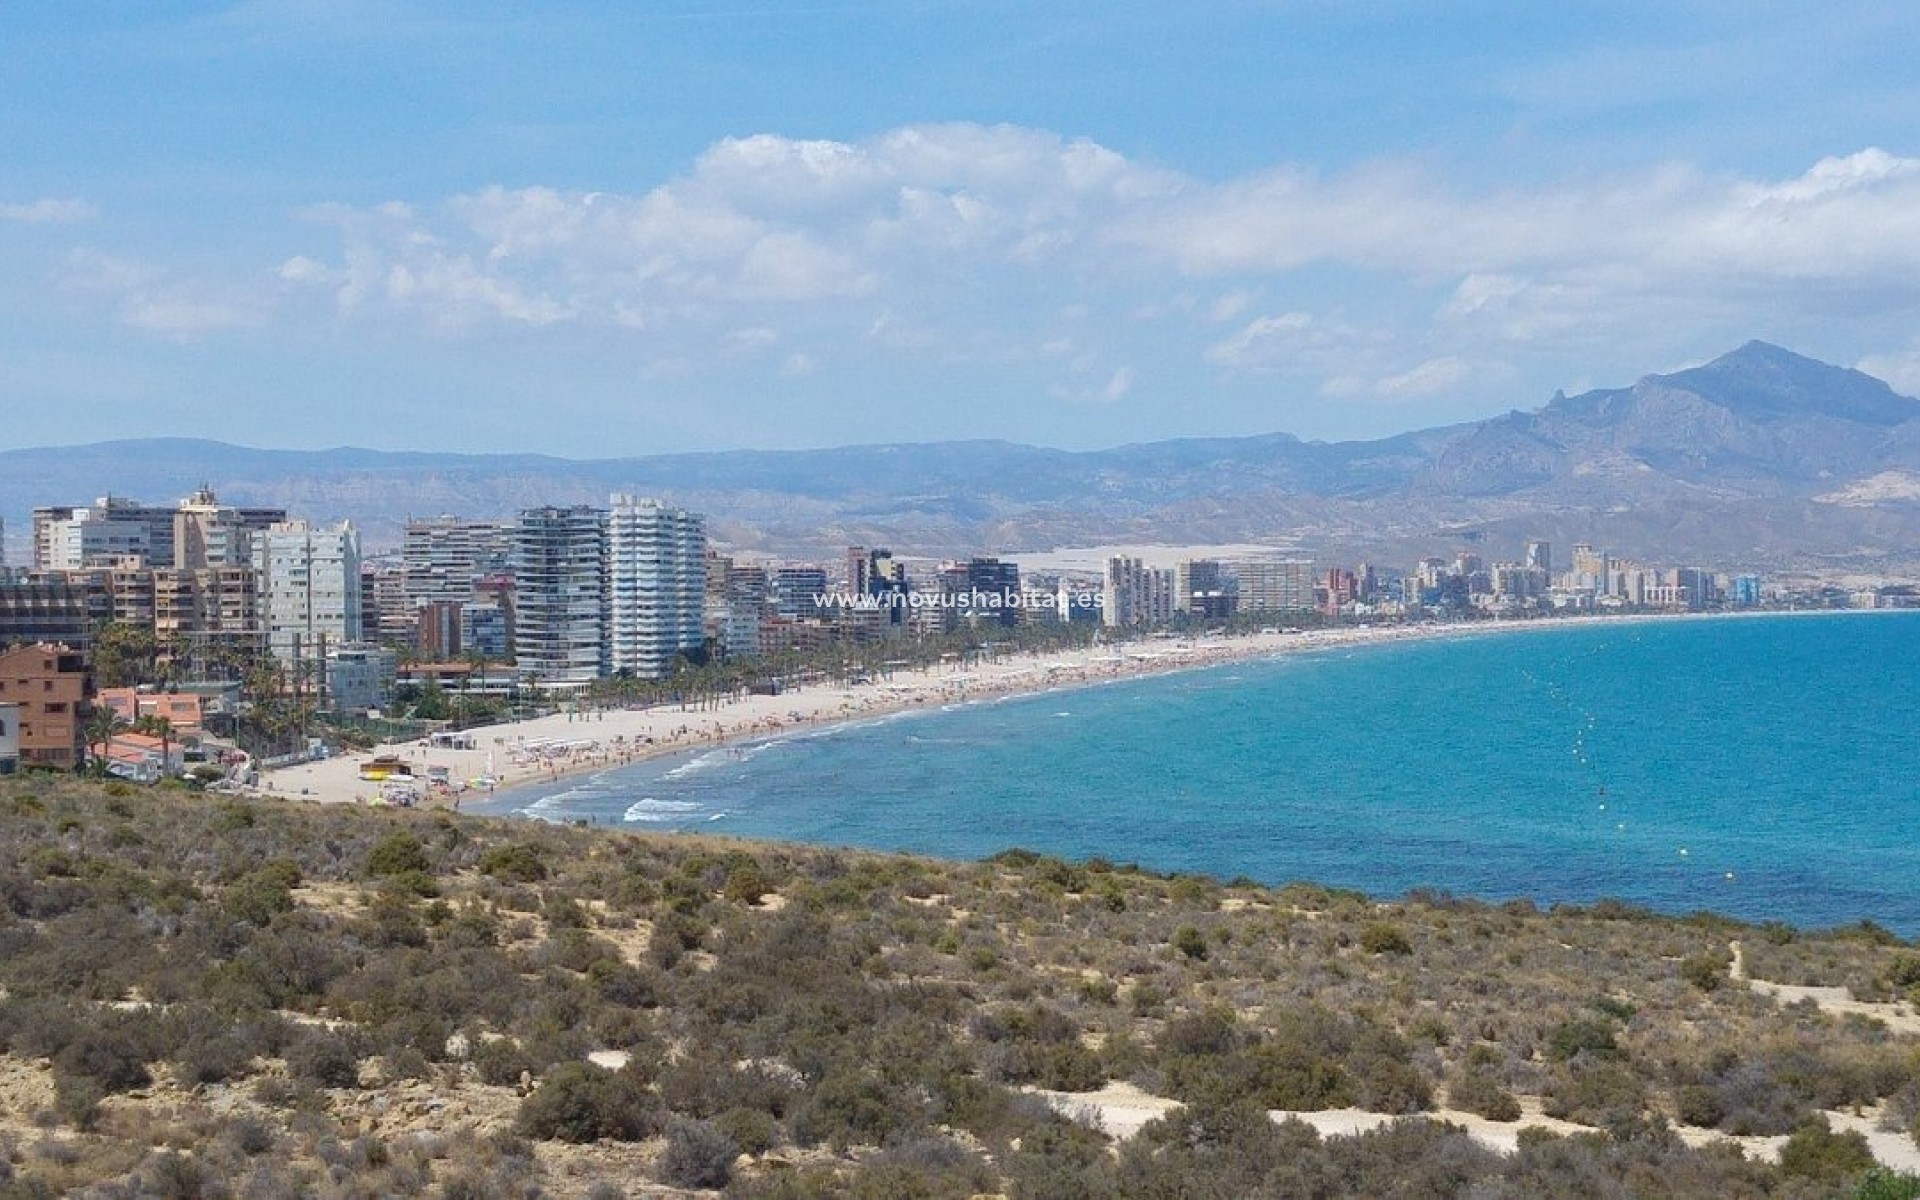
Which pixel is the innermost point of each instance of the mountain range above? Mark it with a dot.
(1760, 458)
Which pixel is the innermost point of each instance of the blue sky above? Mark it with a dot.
(610, 229)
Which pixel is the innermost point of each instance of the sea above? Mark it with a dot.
(1761, 767)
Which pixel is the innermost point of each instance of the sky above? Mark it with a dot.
(609, 229)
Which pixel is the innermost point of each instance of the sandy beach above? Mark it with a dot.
(547, 748)
(551, 747)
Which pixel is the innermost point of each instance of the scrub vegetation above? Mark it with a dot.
(204, 997)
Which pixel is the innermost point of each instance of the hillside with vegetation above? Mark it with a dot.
(205, 997)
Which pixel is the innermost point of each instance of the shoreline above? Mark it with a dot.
(517, 755)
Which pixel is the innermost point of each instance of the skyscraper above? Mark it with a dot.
(1270, 585)
(309, 587)
(442, 556)
(657, 584)
(560, 577)
(1539, 556)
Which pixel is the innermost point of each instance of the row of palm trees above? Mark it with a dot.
(104, 724)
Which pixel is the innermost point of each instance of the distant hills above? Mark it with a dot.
(1760, 457)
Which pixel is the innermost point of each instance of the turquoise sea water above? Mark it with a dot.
(1767, 768)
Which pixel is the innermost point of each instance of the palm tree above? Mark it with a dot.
(161, 727)
(103, 724)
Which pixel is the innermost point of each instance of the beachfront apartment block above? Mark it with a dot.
(441, 557)
(1133, 593)
(309, 588)
(1278, 585)
(560, 584)
(656, 586)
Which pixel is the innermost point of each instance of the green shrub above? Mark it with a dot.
(1816, 1152)
(501, 1062)
(1381, 938)
(397, 852)
(1478, 1092)
(752, 1130)
(745, 884)
(1581, 1036)
(1704, 971)
(258, 896)
(413, 882)
(578, 1102)
(1597, 1093)
(515, 863)
(1882, 1184)
(1190, 942)
(1698, 1105)
(325, 1060)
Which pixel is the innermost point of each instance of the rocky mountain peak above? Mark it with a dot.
(1763, 382)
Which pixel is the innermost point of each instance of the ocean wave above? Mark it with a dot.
(652, 810)
(694, 766)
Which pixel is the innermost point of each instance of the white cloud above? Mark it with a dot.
(963, 243)
(748, 341)
(181, 316)
(1280, 340)
(1835, 176)
(47, 212)
(1430, 378)
(1231, 304)
(1901, 370)
(302, 270)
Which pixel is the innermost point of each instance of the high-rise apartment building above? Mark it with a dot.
(207, 533)
(560, 587)
(1201, 587)
(209, 617)
(798, 591)
(1133, 593)
(444, 555)
(1539, 557)
(309, 582)
(657, 584)
(112, 529)
(1275, 585)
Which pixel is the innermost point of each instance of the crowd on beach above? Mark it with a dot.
(550, 747)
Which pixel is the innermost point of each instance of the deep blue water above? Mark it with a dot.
(1767, 768)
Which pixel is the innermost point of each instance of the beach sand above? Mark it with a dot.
(554, 746)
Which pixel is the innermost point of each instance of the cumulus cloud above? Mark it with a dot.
(966, 242)
(760, 219)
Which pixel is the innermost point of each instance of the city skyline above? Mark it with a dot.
(693, 227)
